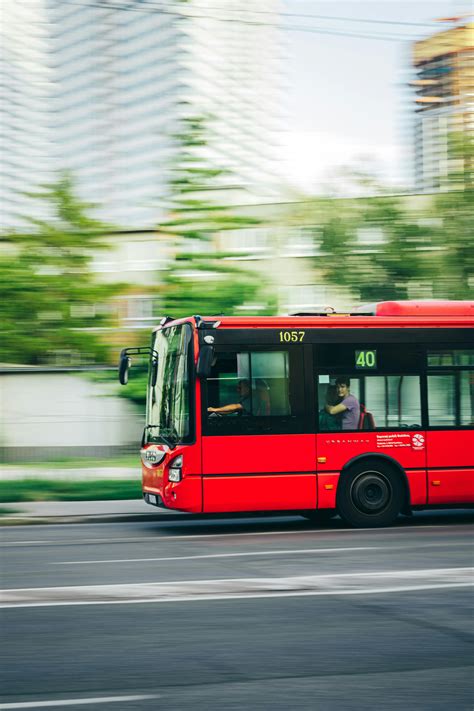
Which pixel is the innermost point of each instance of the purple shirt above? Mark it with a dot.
(350, 416)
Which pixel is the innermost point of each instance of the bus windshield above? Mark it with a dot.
(168, 402)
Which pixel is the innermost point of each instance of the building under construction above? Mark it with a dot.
(444, 108)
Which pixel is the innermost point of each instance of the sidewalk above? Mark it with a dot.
(46, 512)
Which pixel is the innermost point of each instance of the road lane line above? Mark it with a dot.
(222, 589)
(196, 536)
(77, 702)
(300, 551)
(261, 553)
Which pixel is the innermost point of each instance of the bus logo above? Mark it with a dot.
(418, 441)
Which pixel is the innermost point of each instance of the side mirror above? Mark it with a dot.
(154, 371)
(124, 365)
(205, 359)
(125, 361)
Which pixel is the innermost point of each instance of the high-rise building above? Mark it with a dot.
(444, 103)
(25, 139)
(125, 73)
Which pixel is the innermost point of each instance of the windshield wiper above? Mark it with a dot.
(174, 434)
(161, 436)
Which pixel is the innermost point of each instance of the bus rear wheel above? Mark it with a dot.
(370, 494)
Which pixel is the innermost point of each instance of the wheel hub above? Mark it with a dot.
(371, 492)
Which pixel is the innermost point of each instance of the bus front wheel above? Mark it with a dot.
(370, 494)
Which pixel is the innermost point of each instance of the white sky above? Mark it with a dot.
(348, 96)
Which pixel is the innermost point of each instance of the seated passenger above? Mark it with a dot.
(348, 406)
(261, 403)
(329, 422)
(242, 407)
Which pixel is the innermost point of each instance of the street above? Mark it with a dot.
(240, 613)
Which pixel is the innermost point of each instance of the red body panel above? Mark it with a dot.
(284, 492)
(257, 454)
(327, 488)
(451, 486)
(417, 487)
(290, 459)
(451, 448)
(450, 467)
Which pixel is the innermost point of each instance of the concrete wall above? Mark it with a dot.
(56, 414)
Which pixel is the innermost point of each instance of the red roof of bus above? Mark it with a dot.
(431, 314)
(419, 308)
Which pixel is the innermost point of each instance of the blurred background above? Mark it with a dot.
(214, 156)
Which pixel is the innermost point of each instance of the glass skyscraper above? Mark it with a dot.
(25, 116)
(125, 74)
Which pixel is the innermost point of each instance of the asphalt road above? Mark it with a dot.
(267, 613)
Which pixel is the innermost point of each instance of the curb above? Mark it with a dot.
(29, 520)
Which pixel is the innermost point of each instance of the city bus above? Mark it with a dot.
(367, 415)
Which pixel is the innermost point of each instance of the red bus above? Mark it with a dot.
(366, 415)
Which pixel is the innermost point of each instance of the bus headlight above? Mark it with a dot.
(175, 472)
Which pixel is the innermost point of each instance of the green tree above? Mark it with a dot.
(394, 247)
(202, 280)
(454, 236)
(50, 298)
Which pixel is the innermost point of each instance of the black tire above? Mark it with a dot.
(319, 517)
(370, 494)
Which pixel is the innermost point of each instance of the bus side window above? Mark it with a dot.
(451, 398)
(450, 387)
(384, 401)
(393, 400)
(257, 392)
(266, 379)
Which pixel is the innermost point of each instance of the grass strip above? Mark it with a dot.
(51, 490)
(8, 512)
(127, 460)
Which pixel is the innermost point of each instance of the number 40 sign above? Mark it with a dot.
(365, 359)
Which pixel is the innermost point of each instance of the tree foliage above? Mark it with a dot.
(454, 234)
(201, 279)
(399, 247)
(50, 298)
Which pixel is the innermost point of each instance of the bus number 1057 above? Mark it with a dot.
(291, 336)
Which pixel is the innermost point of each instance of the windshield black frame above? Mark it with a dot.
(170, 406)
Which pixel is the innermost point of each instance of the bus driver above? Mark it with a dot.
(243, 407)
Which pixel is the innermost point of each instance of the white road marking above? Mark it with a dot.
(223, 589)
(77, 702)
(217, 555)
